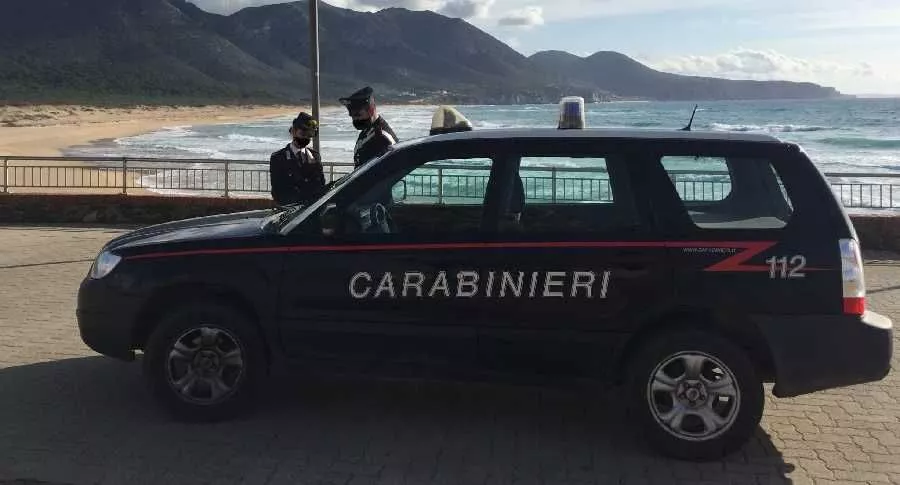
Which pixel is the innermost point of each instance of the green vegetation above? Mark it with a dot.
(170, 52)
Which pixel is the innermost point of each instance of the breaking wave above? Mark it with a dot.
(849, 142)
(251, 138)
(768, 128)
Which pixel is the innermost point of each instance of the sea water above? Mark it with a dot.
(841, 136)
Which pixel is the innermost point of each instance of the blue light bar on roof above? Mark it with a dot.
(571, 113)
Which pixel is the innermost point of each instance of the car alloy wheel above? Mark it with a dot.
(205, 365)
(693, 396)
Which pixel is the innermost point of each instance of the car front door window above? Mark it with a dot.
(435, 199)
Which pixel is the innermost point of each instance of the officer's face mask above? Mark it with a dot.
(362, 118)
(302, 136)
(362, 124)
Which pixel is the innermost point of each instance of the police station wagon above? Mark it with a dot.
(690, 268)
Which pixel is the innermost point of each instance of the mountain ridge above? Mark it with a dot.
(172, 50)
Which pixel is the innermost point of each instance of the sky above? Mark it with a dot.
(847, 44)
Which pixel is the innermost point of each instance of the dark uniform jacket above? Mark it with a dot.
(373, 142)
(296, 178)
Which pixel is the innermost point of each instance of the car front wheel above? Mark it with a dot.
(696, 395)
(204, 362)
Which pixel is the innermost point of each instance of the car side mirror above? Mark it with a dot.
(330, 220)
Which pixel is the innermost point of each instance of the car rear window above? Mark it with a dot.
(730, 192)
(700, 178)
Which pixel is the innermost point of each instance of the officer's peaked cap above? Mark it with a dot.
(304, 120)
(361, 98)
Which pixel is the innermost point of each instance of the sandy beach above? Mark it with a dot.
(45, 130)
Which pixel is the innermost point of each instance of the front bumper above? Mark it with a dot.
(106, 319)
(814, 353)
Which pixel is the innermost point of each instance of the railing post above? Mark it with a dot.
(124, 175)
(226, 178)
(553, 184)
(4, 186)
(440, 185)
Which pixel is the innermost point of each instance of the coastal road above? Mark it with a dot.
(69, 416)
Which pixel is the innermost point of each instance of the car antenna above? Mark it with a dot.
(688, 127)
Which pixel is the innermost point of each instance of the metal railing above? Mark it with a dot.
(441, 183)
(140, 175)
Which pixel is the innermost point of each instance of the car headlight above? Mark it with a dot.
(104, 264)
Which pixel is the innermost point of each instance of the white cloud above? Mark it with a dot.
(513, 42)
(559, 10)
(763, 65)
(467, 9)
(524, 17)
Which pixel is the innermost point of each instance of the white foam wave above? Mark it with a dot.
(205, 151)
(488, 125)
(770, 128)
(250, 138)
(183, 130)
(168, 132)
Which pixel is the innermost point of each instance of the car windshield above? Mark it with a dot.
(292, 219)
(284, 215)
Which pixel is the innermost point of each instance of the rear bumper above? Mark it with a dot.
(813, 353)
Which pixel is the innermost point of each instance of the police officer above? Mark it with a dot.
(375, 136)
(296, 170)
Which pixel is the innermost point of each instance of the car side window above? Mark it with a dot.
(699, 178)
(435, 197)
(444, 182)
(730, 192)
(569, 195)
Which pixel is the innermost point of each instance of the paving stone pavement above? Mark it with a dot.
(69, 416)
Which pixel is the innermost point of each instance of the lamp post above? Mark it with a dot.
(314, 63)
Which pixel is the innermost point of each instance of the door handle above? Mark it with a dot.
(633, 266)
(631, 259)
(631, 272)
(631, 262)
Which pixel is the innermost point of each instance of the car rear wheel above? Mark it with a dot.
(695, 395)
(204, 362)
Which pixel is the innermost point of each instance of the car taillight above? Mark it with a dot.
(852, 278)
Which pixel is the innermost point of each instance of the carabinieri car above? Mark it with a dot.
(688, 267)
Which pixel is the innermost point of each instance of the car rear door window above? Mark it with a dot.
(730, 192)
(570, 195)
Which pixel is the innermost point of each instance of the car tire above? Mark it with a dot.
(204, 362)
(695, 395)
